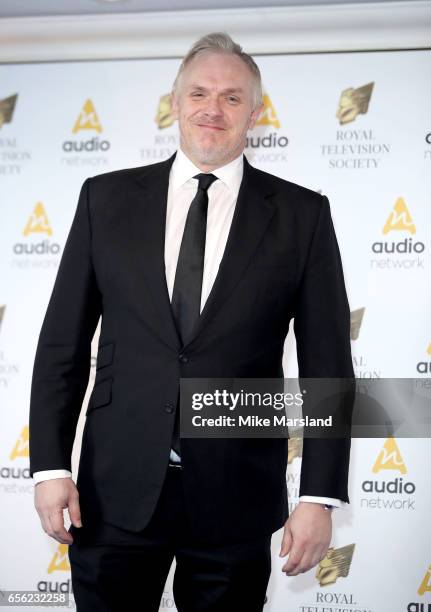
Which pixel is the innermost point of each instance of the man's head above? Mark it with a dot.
(217, 98)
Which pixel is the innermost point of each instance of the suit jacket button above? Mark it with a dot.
(169, 407)
(183, 357)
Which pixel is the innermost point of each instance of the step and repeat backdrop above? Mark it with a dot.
(354, 126)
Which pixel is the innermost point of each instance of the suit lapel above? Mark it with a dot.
(253, 212)
(147, 231)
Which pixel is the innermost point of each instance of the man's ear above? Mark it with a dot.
(174, 105)
(255, 116)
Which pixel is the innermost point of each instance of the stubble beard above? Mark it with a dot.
(216, 156)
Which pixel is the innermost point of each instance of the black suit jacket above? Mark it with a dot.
(281, 262)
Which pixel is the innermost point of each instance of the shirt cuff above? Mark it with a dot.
(330, 501)
(50, 475)
(174, 457)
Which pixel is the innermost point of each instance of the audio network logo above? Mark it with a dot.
(268, 116)
(7, 108)
(58, 563)
(19, 451)
(354, 149)
(60, 560)
(360, 363)
(267, 147)
(424, 589)
(37, 224)
(399, 220)
(424, 367)
(427, 152)
(20, 448)
(87, 121)
(396, 493)
(425, 585)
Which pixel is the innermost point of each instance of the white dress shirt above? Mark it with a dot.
(222, 197)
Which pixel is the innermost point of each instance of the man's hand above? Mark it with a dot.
(307, 535)
(50, 498)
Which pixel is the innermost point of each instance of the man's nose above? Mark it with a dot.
(213, 108)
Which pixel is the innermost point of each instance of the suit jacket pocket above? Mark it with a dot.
(105, 355)
(101, 395)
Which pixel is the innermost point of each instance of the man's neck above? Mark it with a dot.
(209, 168)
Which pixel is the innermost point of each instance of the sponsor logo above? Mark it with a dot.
(165, 140)
(7, 108)
(37, 224)
(394, 494)
(58, 563)
(268, 116)
(12, 156)
(356, 317)
(424, 589)
(354, 102)
(398, 220)
(8, 369)
(20, 450)
(164, 117)
(263, 146)
(336, 564)
(360, 362)
(354, 149)
(88, 152)
(424, 367)
(294, 449)
(60, 560)
(87, 119)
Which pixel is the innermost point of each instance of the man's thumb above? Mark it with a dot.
(75, 512)
(286, 543)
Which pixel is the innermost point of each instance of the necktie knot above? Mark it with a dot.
(205, 180)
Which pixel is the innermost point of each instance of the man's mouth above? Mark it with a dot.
(210, 127)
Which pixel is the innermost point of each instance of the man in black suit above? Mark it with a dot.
(197, 266)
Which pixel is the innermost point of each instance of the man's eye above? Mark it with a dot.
(232, 99)
(197, 94)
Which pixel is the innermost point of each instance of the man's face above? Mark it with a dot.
(214, 107)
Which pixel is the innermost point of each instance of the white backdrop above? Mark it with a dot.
(375, 170)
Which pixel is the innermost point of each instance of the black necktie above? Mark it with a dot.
(186, 294)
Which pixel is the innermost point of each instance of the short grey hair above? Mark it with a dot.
(220, 42)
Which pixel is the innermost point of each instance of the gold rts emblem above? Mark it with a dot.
(354, 102)
(7, 107)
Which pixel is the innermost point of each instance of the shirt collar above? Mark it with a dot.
(183, 169)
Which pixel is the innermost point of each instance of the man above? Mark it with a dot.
(196, 265)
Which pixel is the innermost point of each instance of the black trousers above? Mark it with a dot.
(116, 570)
